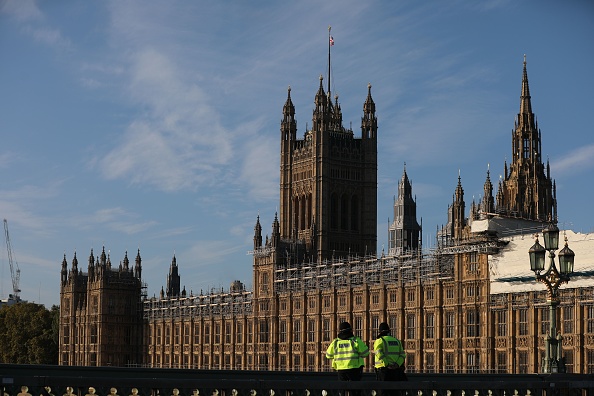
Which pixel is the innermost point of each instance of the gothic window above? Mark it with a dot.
(311, 362)
(523, 322)
(501, 323)
(355, 213)
(239, 333)
(590, 361)
(228, 333)
(249, 334)
(358, 299)
(344, 212)
(430, 293)
(472, 324)
(66, 334)
(393, 297)
(501, 362)
(526, 148)
(472, 362)
(473, 262)
(297, 331)
(358, 323)
(207, 334)
(430, 325)
(590, 321)
(159, 335)
(263, 330)
(568, 320)
(410, 326)
(568, 355)
(177, 334)
(196, 334)
(311, 330)
(411, 295)
(312, 302)
(392, 321)
(430, 362)
(282, 331)
(342, 300)
(375, 322)
(375, 298)
(449, 362)
(327, 301)
(217, 333)
(544, 321)
(523, 362)
(93, 334)
(450, 292)
(326, 330)
(333, 211)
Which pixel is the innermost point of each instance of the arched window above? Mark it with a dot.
(333, 211)
(355, 213)
(344, 212)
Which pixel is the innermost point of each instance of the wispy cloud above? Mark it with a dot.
(577, 161)
(21, 10)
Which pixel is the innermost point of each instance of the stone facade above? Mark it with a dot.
(319, 268)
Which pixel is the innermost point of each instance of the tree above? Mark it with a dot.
(28, 334)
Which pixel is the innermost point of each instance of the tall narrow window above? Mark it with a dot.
(472, 324)
(450, 325)
(501, 323)
(568, 320)
(523, 362)
(544, 321)
(333, 211)
(282, 337)
(410, 327)
(297, 331)
(355, 213)
(311, 330)
(523, 322)
(430, 325)
(590, 319)
(344, 212)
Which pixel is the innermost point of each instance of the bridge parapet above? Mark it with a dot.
(26, 380)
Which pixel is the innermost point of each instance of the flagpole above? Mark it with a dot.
(329, 37)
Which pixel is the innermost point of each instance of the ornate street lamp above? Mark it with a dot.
(552, 279)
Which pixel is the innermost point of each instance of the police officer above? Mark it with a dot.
(347, 353)
(389, 357)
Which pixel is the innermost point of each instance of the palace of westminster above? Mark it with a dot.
(470, 304)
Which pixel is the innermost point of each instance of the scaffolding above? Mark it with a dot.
(227, 304)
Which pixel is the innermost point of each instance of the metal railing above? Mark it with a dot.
(25, 380)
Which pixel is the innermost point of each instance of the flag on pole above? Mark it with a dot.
(331, 40)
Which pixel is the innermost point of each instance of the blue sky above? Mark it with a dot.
(155, 125)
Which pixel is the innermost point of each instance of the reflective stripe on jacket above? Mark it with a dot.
(388, 352)
(346, 354)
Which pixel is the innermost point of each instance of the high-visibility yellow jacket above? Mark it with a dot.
(346, 354)
(388, 352)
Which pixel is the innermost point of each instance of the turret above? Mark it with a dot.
(126, 262)
(488, 202)
(173, 279)
(257, 234)
(91, 268)
(138, 266)
(369, 120)
(64, 271)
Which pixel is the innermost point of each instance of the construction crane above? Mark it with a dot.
(15, 274)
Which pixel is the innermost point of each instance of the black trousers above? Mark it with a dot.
(387, 374)
(353, 374)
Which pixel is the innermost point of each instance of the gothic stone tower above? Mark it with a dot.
(328, 180)
(101, 313)
(405, 231)
(527, 192)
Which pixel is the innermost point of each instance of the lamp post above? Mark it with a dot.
(552, 279)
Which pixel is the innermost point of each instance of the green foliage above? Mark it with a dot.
(29, 334)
